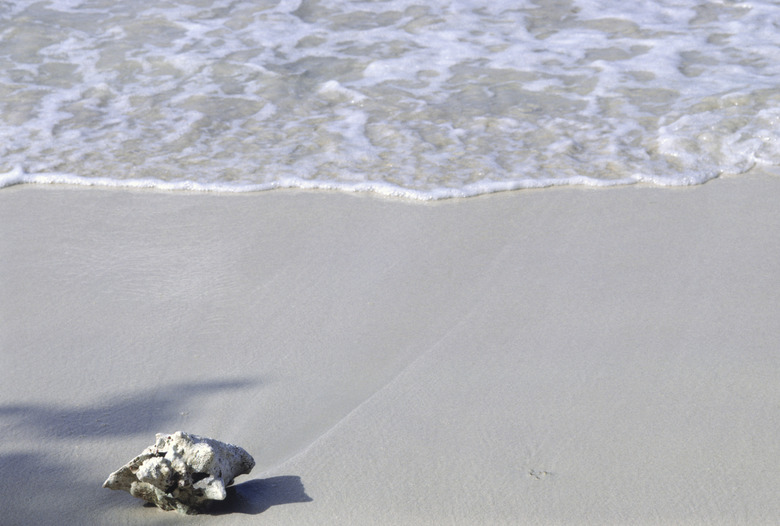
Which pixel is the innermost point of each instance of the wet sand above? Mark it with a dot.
(558, 356)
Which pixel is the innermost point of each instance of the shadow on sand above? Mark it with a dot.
(256, 496)
(65, 479)
(144, 412)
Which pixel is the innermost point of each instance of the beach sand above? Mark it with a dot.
(557, 356)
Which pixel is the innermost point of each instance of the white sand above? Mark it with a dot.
(563, 356)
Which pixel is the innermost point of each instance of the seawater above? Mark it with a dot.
(423, 100)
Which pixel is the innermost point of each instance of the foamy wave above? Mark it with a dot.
(398, 97)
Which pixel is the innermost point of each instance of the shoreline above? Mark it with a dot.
(17, 177)
(556, 356)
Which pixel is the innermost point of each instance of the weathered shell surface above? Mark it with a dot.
(182, 472)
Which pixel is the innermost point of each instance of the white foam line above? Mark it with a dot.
(19, 176)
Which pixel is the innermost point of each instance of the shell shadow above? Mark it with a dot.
(256, 496)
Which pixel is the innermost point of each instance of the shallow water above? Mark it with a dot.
(399, 97)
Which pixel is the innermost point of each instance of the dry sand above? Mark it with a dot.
(562, 356)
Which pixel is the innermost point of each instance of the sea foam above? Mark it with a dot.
(399, 97)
